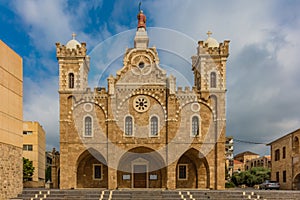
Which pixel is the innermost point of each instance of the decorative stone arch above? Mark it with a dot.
(71, 101)
(94, 103)
(191, 101)
(296, 182)
(85, 173)
(78, 114)
(198, 174)
(133, 57)
(151, 53)
(149, 162)
(148, 94)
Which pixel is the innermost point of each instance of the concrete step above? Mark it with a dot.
(149, 194)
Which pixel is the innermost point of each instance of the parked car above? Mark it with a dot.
(269, 185)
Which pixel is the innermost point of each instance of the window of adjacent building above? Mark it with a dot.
(195, 126)
(283, 152)
(128, 126)
(277, 155)
(71, 80)
(182, 171)
(97, 172)
(277, 176)
(27, 147)
(296, 145)
(27, 132)
(284, 176)
(88, 124)
(213, 80)
(154, 126)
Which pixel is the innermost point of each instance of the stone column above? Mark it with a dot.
(220, 173)
(112, 178)
(171, 179)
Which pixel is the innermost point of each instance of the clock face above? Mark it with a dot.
(141, 103)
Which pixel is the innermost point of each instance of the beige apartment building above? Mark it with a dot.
(229, 155)
(246, 156)
(262, 161)
(34, 148)
(11, 122)
(241, 159)
(143, 131)
(285, 155)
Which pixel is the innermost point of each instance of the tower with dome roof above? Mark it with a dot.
(74, 65)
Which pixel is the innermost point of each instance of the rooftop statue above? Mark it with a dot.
(141, 18)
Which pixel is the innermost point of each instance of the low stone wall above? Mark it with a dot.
(34, 184)
(11, 171)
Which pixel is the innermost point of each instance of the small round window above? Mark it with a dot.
(141, 65)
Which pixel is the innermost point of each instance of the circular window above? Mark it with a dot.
(195, 107)
(88, 107)
(141, 103)
(141, 65)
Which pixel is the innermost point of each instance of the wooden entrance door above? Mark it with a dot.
(140, 176)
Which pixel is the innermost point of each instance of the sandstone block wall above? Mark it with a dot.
(11, 171)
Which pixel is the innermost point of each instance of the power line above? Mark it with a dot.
(248, 142)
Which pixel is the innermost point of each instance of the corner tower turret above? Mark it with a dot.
(209, 65)
(74, 65)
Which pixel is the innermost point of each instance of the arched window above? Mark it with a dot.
(128, 125)
(88, 126)
(195, 126)
(296, 145)
(154, 126)
(283, 152)
(213, 80)
(71, 80)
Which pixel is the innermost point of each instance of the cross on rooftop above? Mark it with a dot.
(73, 36)
(209, 33)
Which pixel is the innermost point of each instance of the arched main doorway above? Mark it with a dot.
(192, 170)
(92, 170)
(141, 167)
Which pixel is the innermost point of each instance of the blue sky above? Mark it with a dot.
(263, 67)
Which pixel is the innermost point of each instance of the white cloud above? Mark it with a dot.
(41, 105)
(262, 67)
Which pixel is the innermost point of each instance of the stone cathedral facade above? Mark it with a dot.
(142, 131)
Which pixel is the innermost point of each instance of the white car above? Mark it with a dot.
(269, 185)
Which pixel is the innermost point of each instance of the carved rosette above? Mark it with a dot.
(141, 103)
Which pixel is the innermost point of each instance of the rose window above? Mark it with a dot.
(141, 104)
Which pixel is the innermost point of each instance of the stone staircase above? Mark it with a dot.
(155, 194)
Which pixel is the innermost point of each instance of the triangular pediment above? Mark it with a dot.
(141, 66)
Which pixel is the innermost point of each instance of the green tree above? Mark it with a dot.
(255, 176)
(28, 169)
